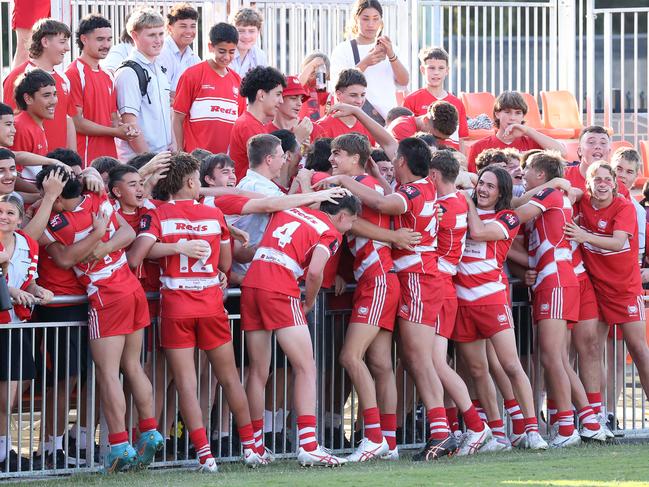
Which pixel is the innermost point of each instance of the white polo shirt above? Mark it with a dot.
(18, 268)
(175, 62)
(153, 112)
(255, 225)
(255, 57)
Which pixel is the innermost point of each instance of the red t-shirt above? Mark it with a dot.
(92, 91)
(285, 250)
(245, 127)
(419, 101)
(523, 144)
(229, 204)
(56, 130)
(190, 287)
(62, 282)
(613, 273)
(211, 104)
(333, 127)
(107, 280)
(550, 252)
(30, 137)
(420, 214)
(479, 279)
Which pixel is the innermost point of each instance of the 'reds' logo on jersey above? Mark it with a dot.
(145, 222)
(544, 193)
(510, 219)
(410, 191)
(191, 228)
(333, 246)
(58, 222)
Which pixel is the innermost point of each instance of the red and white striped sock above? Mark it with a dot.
(258, 434)
(202, 447)
(514, 411)
(531, 424)
(588, 419)
(566, 423)
(247, 437)
(481, 411)
(438, 424)
(372, 425)
(595, 400)
(389, 429)
(306, 432)
(497, 428)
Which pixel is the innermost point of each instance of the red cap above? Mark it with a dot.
(294, 88)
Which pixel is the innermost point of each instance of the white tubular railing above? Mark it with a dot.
(617, 69)
(60, 394)
(494, 46)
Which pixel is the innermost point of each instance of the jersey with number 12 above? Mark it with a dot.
(286, 248)
(190, 287)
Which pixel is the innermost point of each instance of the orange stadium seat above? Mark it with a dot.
(476, 104)
(533, 119)
(560, 111)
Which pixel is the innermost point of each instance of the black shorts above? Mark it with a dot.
(17, 343)
(522, 314)
(233, 308)
(66, 346)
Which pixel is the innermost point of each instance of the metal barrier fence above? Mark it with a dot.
(69, 406)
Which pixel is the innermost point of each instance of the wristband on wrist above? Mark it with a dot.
(393, 58)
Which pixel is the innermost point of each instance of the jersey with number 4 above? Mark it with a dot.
(189, 287)
(106, 280)
(286, 248)
(420, 214)
(479, 278)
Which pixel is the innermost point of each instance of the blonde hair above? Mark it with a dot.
(594, 167)
(13, 200)
(144, 18)
(629, 155)
(247, 16)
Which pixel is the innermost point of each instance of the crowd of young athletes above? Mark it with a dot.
(141, 168)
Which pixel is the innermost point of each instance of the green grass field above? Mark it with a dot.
(621, 465)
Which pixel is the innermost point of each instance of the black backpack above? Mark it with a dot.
(143, 76)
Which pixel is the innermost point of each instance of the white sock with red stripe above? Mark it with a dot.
(306, 432)
(588, 419)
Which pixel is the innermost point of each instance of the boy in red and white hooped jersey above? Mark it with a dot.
(413, 206)
(555, 296)
(375, 304)
(297, 243)
(118, 313)
(607, 234)
(50, 42)
(192, 243)
(451, 237)
(92, 94)
(207, 100)
(483, 304)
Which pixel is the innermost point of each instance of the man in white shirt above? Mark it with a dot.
(177, 54)
(151, 111)
(266, 160)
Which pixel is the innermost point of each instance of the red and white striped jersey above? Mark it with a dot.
(286, 247)
(611, 272)
(451, 235)
(189, 287)
(420, 214)
(371, 257)
(479, 278)
(106, 280)
(550, 252)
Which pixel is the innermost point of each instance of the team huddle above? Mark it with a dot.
(160, 172)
